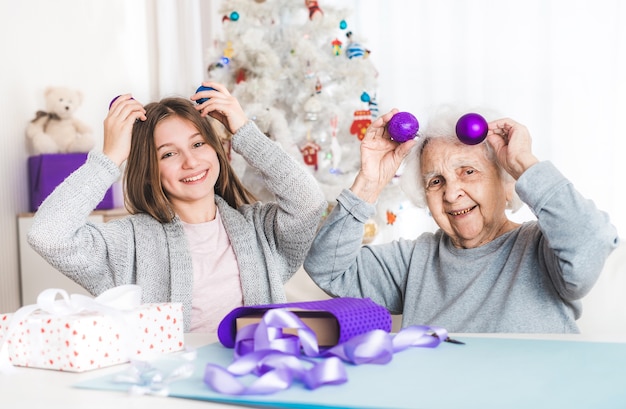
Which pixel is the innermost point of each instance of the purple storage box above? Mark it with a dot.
(47, 171)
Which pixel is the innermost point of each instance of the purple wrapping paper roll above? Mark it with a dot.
(355, 316)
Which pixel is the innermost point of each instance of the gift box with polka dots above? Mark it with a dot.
(91, 340)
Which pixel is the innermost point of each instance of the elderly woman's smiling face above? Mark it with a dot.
(464, 192)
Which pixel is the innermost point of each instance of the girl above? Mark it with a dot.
(194, 235)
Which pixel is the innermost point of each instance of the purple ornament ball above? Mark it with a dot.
(113, 100)
(203, 88)
(402, 127)
(471, 129)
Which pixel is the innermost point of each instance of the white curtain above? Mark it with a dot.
(177, 52)
(557, 66)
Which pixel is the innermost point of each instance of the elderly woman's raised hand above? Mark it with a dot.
(380, 159)
(512, 144)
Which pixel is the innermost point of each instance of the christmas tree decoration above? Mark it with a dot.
(373, 105)
(391, 217)
(355, 50)
(228, 51)
(203, 88)
(240, 76)
(312, 108)
(314, 10)
(362, 119)
(318, 86)
(471, 129)
(402, 127)
(336, 46)
(280, 60)
(309, 153)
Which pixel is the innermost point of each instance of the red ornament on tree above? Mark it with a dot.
(314, 8)
(241, 76)
(309, 153)
(362, 119)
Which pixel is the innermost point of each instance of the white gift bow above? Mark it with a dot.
(112, 301)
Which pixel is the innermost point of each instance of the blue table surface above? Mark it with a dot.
(483, 373)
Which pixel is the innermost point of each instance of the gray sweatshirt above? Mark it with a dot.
(528, 280)
(270, 240)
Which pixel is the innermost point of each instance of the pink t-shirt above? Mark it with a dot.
(216, 282)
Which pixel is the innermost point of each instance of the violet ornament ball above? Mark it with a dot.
(402, 127)
(471, 129)
(113, 100)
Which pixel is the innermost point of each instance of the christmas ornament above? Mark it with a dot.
(312, 108)
(309, 153)
(355, 50)
(114, 99)
(365, 97)
(234, 16)
(362, 119)
(336, 46)
(314, 10)
(240, 76)
(391, 217)
(373, 105)
(203, 88)
(214, 66)
(343, 25)
(228, 51)
(402, 127)
(471, 129)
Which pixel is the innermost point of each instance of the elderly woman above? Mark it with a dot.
(480, 271)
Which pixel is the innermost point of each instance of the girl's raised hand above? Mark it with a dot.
(221, 105)
(124, 111)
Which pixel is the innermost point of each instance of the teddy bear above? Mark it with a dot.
(57, 130)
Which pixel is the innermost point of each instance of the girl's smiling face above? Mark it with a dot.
(464, 192)
(188, 166)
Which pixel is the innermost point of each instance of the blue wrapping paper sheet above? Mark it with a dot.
(484, 373)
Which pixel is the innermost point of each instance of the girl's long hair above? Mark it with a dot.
(142, 184)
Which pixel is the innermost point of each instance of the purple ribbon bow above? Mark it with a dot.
(278, 359)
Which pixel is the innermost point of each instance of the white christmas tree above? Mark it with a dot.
(305, 78)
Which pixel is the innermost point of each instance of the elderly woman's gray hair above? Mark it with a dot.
(442, 124)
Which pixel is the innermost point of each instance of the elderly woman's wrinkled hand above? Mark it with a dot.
(513, 146)
(380, 159)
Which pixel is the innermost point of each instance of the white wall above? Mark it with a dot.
(99, 47)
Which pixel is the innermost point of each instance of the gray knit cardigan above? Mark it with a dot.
(270, 240)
